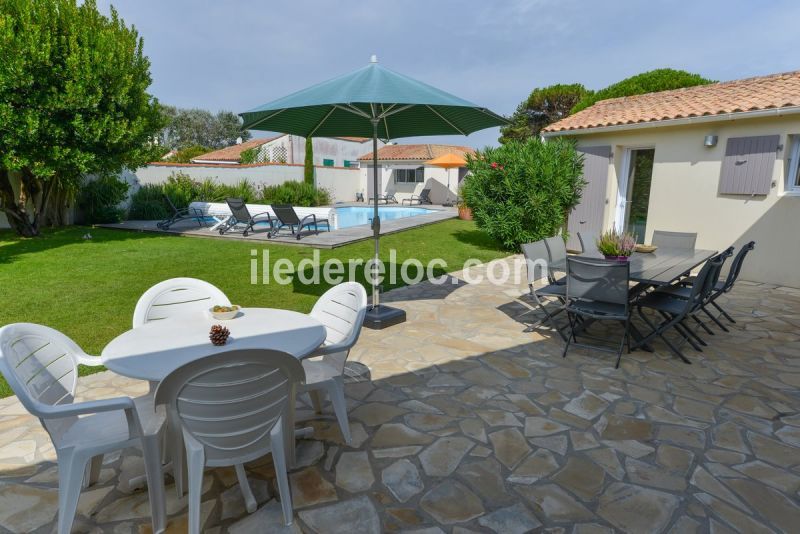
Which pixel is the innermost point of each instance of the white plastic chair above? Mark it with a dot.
(171, 298)
(177, 296)
(341, 309)
(231, 408)
(41, 366)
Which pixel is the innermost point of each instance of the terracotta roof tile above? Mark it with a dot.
(750, 94)
(233, 152)
(417, 152)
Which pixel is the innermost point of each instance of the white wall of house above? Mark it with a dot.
(684, 194)
(292, 149)
(434, 178)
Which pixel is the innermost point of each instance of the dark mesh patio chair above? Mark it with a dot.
(536, 261)
(240, 216)
(597, 290)
(674, 311)
(288, 217)
(422, 198)
(675, 240)
(684, 291)
(588, 241)
(178, 215)
(722, 287)
(557, 252)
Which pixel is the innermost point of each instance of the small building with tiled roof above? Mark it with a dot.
(720, 160)
(233, 153)
(417, 152)
(405, 173)
(291, 149)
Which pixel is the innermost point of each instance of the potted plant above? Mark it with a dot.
(464, 212)
(616, 245)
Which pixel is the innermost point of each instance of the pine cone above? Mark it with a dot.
(219, 335)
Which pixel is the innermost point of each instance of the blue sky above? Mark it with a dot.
(238, 54)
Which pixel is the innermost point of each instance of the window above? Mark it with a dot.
(793, 165)
(409, 176)
(350, 164)
(327, 162)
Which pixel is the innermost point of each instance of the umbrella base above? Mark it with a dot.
(380, 317)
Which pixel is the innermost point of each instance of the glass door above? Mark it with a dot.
(633, 197)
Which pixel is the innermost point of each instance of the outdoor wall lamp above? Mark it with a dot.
(710, 140)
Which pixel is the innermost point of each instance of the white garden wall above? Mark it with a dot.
(340, 182)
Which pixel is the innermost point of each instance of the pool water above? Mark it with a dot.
(357, 215)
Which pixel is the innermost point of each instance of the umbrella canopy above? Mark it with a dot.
(372, 102)
(448, 161)
(346, 106)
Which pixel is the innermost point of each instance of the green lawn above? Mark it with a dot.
(88, 288)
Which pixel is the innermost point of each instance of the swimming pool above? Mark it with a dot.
(348, 216)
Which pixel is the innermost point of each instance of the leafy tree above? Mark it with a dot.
(544, 106)
(647, 82)
(523, 190)
(308, 171)
(192, 127)
(186, 154)
(73, 101)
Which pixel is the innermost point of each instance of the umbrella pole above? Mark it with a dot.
(377, 316)
(376, 220)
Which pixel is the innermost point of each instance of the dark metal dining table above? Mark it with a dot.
(658, 268)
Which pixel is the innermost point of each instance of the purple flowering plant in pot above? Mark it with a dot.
(616, 245)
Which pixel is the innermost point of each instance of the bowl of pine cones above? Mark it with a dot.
(219, 335)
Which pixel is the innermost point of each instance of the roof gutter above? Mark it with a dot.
(700, 119)
(215, 162)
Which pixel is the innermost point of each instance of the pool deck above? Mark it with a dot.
(327, 240)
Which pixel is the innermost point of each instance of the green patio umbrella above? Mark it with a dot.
(372, 102)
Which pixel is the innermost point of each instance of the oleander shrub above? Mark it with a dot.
(147, 203)
(523, 191)
(243, 189)
(249, 156)
(99, 199)
(296, 194)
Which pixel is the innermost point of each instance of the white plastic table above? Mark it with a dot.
(152, 351)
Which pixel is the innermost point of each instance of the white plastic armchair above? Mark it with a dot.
(341, 310)
(41, 366)
(232, 408)
(177, 296)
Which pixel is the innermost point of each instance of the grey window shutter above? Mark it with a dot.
(748, 165)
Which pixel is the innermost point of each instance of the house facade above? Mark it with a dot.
(291, 149)
(720, 160)
(403, 171)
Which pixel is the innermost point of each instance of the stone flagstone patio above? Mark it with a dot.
(471, 424)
